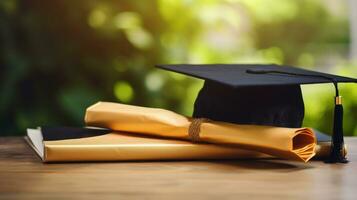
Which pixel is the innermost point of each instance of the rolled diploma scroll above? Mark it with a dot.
(288, 143)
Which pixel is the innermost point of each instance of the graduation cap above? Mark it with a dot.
(262, 95)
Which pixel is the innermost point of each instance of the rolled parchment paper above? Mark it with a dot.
(288, 143)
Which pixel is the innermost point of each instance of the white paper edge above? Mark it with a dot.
(36, 138)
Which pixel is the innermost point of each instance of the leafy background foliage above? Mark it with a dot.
(58, 57)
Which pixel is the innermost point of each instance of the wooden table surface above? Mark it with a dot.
(23, 176)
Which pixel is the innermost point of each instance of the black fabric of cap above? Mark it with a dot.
(252, 93)
(237, 75)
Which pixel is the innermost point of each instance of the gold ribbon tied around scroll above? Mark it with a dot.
(195, 128)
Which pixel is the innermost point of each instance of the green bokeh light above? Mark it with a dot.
(123, 91)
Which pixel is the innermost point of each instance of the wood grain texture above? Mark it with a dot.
(23, 176)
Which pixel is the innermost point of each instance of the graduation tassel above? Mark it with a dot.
(337, 154)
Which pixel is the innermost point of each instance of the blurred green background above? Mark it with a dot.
(58, 57)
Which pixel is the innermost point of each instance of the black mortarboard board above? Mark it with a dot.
(259, 94)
